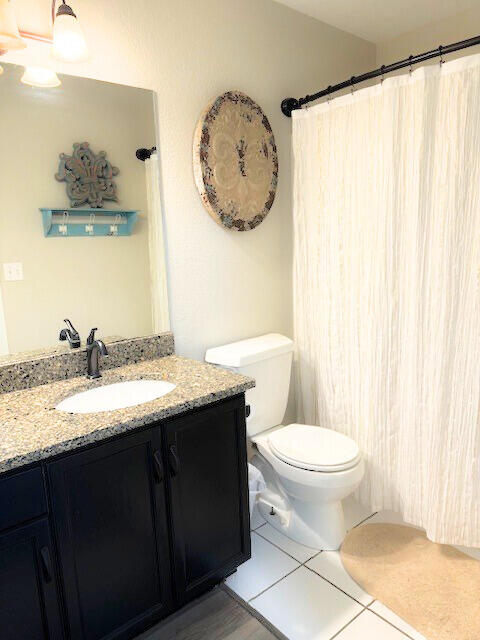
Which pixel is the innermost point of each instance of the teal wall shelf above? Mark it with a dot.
(58, 223)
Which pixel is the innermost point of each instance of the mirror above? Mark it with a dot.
(115, 279)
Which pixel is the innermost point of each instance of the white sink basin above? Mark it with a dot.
(115, 396)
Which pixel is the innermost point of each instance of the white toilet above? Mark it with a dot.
(308, 470)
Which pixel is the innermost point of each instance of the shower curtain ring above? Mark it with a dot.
(329, 89)
(440, 50)
(410, 57)
(352, 82)
(382, 69)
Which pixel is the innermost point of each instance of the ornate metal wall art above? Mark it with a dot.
(235, 161)
(89, 176)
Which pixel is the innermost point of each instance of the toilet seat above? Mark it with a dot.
(314, 448)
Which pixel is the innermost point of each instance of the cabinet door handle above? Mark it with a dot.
(46, 563)
(174, 460)
(157, 459)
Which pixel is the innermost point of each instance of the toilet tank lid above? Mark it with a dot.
(239, 354)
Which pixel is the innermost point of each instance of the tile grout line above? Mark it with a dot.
(289, 554)
(378, 616)
(365, 606)
(335, 635)
(317, 553)
(364, 520)
(275, 583)
(388, 621)
(304, 564)
(250, 605)
(281, 635)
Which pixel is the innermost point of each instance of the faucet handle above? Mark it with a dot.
(91, 336)
(70, 334)
(71, 327)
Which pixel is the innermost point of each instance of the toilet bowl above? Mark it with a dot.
(308, 469)
(315, 469)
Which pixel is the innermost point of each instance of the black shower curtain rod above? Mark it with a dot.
(290, 104)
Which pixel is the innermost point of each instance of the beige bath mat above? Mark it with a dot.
(433, 587)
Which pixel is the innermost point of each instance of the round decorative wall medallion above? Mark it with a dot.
(235, 161)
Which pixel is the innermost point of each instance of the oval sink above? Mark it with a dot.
(115, 396)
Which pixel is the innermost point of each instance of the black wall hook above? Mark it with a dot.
(143, 154)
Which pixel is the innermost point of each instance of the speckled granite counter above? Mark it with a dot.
(31, 429)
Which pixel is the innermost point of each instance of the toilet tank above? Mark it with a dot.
(267, 359)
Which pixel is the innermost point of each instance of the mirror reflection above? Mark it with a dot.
(80, 220)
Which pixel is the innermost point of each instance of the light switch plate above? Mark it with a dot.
(12, 271)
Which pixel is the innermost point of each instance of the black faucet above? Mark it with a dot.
(94, 349)
(70, 334)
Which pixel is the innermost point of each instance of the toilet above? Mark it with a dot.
(308, 469)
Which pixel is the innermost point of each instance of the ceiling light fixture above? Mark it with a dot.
(40, 77)
(9, 34)
(69, 43)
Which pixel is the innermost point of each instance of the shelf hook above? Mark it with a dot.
(114, 226)
(63, 228)
(89, 226)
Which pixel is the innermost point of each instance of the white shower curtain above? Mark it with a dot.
(387, 288)
(156, 246)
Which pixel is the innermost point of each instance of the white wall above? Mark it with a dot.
(223, 286)
(460, 27)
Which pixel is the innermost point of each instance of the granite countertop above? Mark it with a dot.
(31, 429)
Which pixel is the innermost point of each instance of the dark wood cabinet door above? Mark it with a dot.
(207, 461)
(28, 593)
(110, 517)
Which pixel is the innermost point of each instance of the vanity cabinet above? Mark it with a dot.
(102, 542)
(112, 530)
(28, 590)
(207, 479)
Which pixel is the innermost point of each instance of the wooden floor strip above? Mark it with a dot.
(215, 616)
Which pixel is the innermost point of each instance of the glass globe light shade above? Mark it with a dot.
(69, 43)
(9, 35)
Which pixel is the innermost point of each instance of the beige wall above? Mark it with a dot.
(460, 27)
(223, 286)
(97, 281)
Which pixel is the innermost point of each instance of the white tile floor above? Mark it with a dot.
(306, 594)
